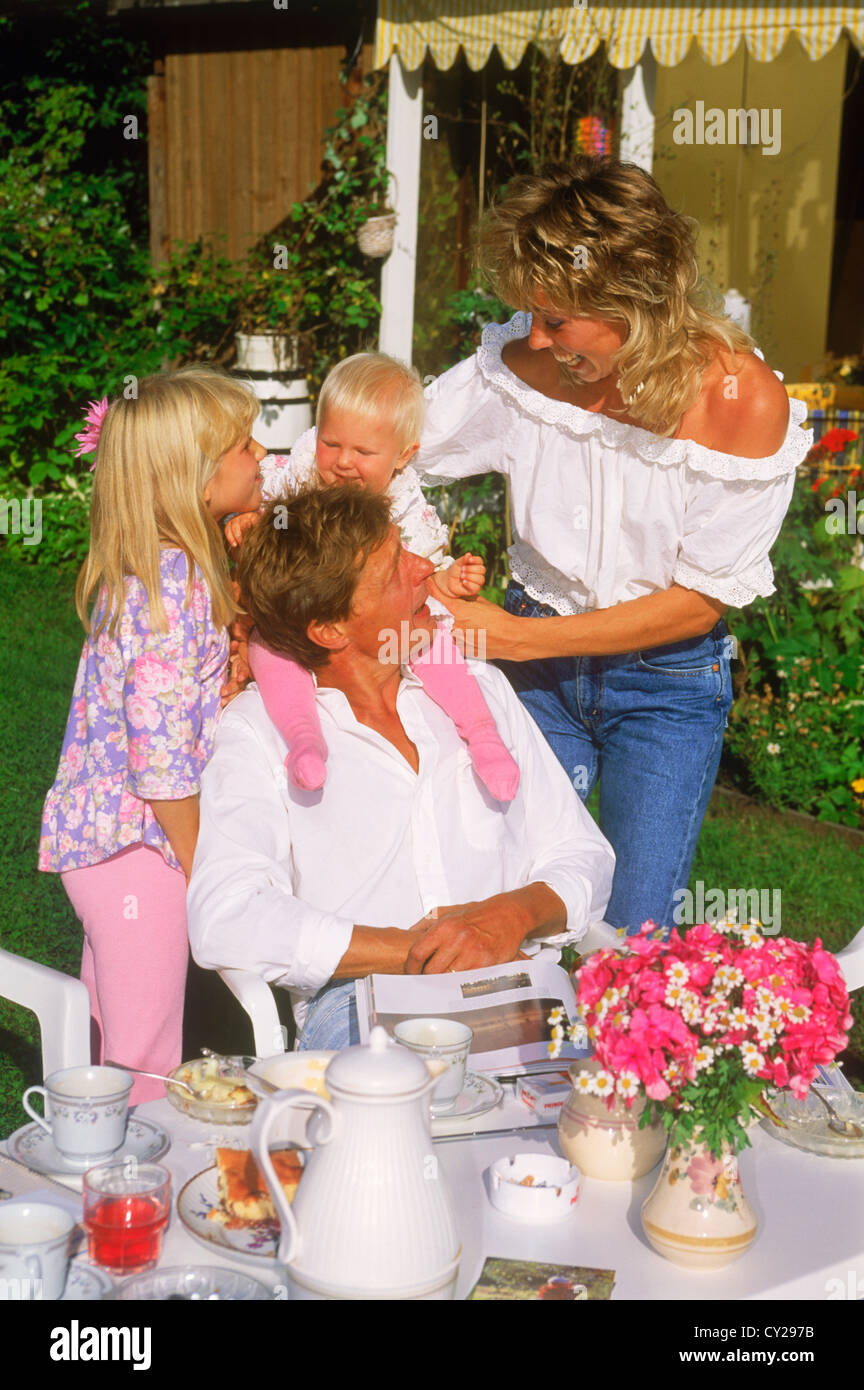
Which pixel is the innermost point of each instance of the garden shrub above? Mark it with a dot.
(796, 729)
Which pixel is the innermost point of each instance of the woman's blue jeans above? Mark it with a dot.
(648, 726)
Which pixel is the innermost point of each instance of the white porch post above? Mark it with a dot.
(404, 124)
(636, 145)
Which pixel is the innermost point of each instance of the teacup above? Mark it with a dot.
(445, 1041)
(34, 1250)
(85, 1112)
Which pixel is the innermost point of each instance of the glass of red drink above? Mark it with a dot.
(126, 1209)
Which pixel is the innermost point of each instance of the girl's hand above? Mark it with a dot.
(463, 579)
(236, 528)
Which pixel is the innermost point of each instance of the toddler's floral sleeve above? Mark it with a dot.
(422, 530)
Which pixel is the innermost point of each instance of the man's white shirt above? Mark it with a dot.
(282, 876)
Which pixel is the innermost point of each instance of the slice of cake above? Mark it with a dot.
(243, 1194)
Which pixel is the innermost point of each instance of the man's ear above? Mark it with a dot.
(331, 636)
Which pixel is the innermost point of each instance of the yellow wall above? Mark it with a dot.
(767, 221)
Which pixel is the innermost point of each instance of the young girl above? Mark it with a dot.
(121, 821)
(370, 417)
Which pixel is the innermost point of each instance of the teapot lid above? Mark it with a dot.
(381, 1068)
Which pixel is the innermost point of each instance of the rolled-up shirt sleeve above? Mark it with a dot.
(730, 526)
(242, 910)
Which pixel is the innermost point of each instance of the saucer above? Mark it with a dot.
(256, 1241)
(479, 1094)
(144, 1141)
(86, 1284)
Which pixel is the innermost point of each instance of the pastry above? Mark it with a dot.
(243, 1195)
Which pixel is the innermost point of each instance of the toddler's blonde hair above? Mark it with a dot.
(156, 454)
(376, 385)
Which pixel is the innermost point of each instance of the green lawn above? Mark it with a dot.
(40, 640)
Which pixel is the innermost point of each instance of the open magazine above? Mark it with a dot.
(507, 1006)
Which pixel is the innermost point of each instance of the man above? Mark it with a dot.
(402, 862)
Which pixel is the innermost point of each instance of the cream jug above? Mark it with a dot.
(372, 1217)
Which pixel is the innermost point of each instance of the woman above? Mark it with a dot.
(651, 456)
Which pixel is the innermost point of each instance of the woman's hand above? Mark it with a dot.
(483, 629)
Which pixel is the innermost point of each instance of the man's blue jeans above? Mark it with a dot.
(331, 1020)
(649, 726)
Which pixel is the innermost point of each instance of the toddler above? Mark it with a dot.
(369, 421)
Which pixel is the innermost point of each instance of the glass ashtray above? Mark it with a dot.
(806, 1122)
(228, 1101)
(194, 1283)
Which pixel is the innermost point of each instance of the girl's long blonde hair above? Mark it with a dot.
(156, 454)
(600, 241)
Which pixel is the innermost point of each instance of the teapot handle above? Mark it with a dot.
(262, 1125)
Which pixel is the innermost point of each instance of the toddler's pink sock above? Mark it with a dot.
(288, 692)
(447, 680)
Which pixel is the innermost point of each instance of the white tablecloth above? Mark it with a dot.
(810, 1210)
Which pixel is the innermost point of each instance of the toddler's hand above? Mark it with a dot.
(464, 579)
(236, 528)
(239, 676)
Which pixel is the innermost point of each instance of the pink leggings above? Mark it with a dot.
(133, 911)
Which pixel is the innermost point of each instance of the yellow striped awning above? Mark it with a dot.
(718, 26)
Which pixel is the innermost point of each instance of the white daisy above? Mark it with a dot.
(603, 1084)
(627, 1084)
(678, 974)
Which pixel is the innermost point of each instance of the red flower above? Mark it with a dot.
(835, 441)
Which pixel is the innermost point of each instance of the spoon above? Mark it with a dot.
(157, 1076)
(243, 1062)
(847, 1128)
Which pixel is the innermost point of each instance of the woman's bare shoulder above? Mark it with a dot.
(742, 408)
(537, 368)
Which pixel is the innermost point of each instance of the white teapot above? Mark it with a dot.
(372, 1218)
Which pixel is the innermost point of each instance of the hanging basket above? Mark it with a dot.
(375, 237)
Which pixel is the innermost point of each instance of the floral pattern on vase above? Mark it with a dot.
(697, 1214)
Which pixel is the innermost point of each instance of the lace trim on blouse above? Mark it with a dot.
(758, 580)
(621, 437)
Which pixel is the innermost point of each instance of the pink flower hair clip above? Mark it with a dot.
(89, 438)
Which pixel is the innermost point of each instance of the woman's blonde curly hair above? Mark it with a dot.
(598, 238)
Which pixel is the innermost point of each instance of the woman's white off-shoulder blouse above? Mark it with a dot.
(604, 511)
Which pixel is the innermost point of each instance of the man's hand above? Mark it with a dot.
(469, 936)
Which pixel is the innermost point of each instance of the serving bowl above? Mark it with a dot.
(216, 1074)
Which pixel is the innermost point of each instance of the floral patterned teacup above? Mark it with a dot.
(444, 1043)
(85, 1112)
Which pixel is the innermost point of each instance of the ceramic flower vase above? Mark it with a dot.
(606, 1143)
(697, 1214)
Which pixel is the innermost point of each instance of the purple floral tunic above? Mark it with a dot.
(141, 725)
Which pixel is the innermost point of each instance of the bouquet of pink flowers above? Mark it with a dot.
(702, 1023)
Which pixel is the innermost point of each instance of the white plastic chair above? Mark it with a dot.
(257, 999)
(851, 960)
(61, 1004)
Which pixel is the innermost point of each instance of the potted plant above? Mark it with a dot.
(375, 236)
(696, 1029)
